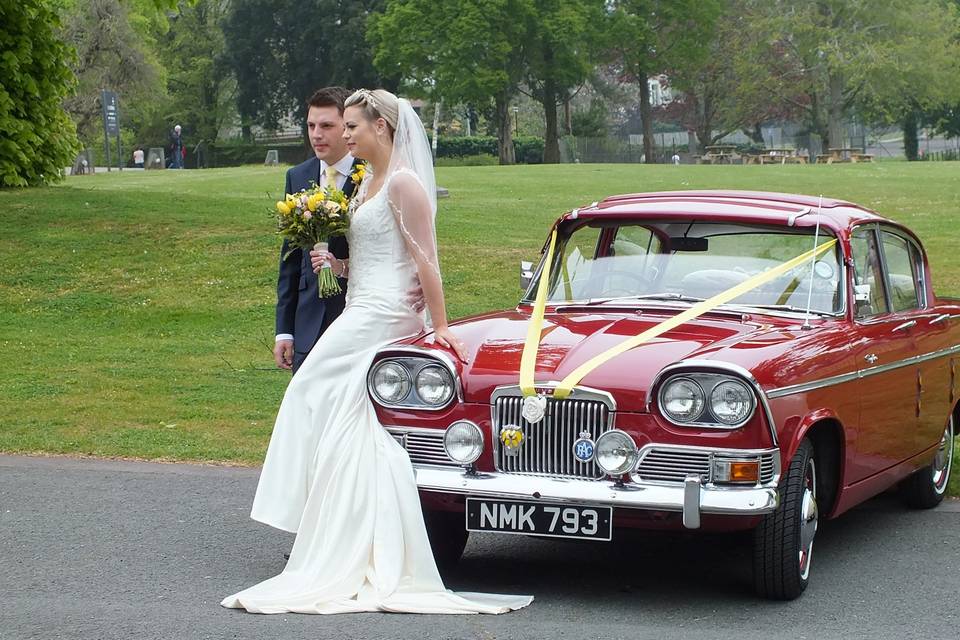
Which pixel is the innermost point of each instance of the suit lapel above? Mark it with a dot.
(350, 186)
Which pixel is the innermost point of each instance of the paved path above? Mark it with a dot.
(107, 549)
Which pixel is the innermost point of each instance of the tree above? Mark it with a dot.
(281, 51)
(462, 51)
(650, 37)
(561, 44)
(111, 54)
(882, 56)
(39, 138)
(718, 93)
(198, 80)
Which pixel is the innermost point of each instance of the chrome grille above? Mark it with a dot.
(424, 446)
(673, 465)
(548, 445)
(663, 464)
(767, 468)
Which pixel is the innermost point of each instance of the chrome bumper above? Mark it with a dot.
(692, 498)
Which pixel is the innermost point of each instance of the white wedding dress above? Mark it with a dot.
(335, 477)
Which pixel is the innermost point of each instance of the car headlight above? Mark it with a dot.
(463, 442)
(682, 399)
(434, 385)
(391, 382)
(731, 402)
(616, 452)
(707, 399)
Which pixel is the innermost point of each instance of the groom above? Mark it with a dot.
(302, 316)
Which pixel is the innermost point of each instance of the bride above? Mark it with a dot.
(332, 474)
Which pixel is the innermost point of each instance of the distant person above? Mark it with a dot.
(176, 148)
(676, 158)
(138, 158)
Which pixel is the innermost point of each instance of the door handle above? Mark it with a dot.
(906, 325)
(871, 358)
(943, 317)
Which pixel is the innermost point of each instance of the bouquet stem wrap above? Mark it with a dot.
(327, 283)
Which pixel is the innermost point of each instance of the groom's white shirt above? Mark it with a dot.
(344, 168)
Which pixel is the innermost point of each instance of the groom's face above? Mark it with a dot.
(325, 129)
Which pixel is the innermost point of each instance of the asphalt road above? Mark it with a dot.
(108, 549)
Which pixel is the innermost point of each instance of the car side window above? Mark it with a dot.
(867, 273)
(576, 277)
(901, 272)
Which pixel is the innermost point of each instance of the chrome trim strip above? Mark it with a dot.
(405, 353)
(862, 373)
(726, 367)
(714, 500)
(577, 393)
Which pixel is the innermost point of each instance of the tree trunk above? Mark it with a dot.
(551, 142)
(646, 118)
(911, 142)
(835, 114)
(755, 133)
(704, 127)
(504, 133)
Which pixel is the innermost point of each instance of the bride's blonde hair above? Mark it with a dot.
(376, 103)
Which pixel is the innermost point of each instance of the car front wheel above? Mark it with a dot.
(448, 537)
(925, 488)
(783, 541)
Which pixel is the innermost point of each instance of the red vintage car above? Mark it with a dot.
(792, 361)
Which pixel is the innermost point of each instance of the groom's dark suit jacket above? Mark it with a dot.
(300, 310)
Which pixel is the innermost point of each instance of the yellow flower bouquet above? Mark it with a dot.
(307, 220)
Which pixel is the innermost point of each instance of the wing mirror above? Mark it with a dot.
(526, 274)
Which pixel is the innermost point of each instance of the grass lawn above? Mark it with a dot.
(136, 309)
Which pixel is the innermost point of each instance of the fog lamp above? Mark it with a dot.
(615, 452)
(463, 442)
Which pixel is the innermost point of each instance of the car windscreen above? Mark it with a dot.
(690, 260)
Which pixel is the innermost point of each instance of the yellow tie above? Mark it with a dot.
(331, 174)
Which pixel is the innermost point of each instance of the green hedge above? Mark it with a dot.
(528, 149)
(231, 154)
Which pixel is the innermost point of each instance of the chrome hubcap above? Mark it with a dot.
(944, 459)
(809, 517)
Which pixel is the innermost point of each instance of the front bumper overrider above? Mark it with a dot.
(692, 498)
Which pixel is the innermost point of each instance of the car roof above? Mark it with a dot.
(760, 207)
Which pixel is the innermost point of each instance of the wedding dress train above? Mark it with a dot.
(336, 477)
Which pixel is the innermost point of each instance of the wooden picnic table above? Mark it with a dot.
(777, 155)
(718, 154)
(844, 154)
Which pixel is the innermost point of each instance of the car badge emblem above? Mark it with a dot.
(534, 408)
(511, 437)
(584, 447)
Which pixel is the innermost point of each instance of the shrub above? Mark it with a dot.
(483, 159)
(39, 139)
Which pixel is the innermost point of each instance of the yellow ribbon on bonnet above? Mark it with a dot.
(563, 389)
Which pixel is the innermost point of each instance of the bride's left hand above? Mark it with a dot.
(446, 338)
(319, 258)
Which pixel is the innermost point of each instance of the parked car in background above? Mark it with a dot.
(811, 387)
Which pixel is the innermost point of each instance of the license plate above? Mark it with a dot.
(540, 519)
